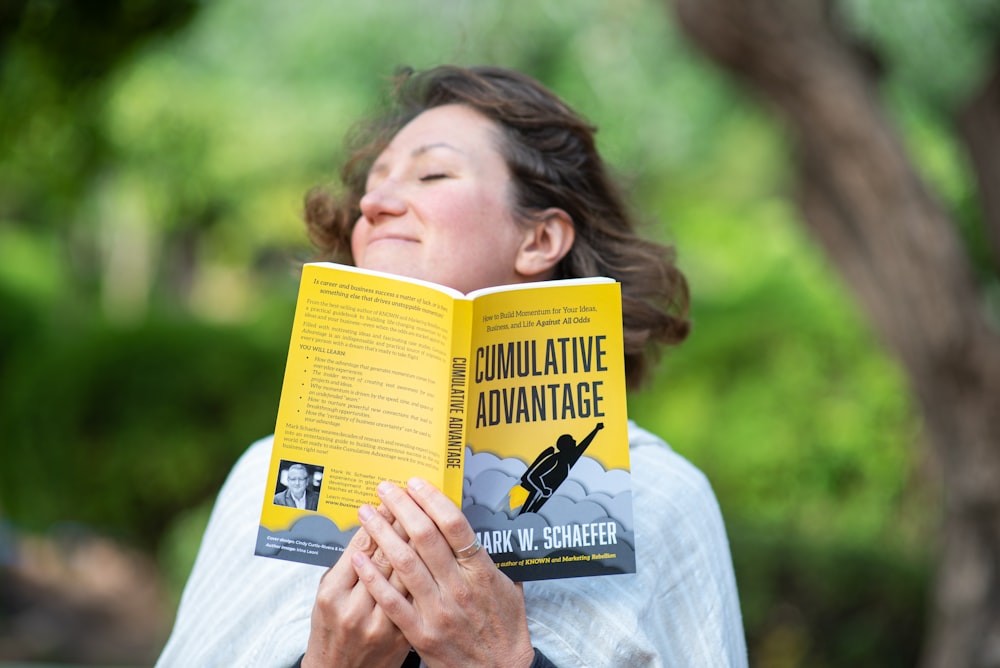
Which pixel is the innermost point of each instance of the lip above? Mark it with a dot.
(391, 236)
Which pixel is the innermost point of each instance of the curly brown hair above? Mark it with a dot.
(554, 162)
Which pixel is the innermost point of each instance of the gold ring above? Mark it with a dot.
(469, 550)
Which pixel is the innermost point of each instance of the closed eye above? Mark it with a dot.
(433, 177)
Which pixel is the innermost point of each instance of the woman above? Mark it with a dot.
(477, 177)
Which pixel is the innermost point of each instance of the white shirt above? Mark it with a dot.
(680, 608)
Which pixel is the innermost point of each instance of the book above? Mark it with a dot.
(511, 400)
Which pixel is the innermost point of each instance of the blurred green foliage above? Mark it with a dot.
(149, 233)
(122, 428)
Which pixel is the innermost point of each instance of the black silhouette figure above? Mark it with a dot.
(551, 468)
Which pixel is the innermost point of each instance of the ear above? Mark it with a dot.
(546, 241)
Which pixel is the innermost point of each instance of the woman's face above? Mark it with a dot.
(437, 204)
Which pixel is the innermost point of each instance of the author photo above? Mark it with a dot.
(296, 488)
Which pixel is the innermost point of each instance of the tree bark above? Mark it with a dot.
(979, 126)
(899, 251)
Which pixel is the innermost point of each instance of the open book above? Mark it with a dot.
(511, 400)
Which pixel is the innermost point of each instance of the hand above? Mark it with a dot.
(348, 629)
(460, 612)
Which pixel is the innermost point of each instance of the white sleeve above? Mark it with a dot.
(680, 608)
(239, 609)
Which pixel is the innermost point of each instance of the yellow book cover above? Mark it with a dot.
(510, 399)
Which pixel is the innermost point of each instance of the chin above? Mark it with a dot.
(391, 263)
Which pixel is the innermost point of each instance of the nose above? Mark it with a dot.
(381, 201)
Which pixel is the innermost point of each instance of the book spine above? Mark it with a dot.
(458, 402)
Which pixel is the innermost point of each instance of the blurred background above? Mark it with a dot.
(153, 159)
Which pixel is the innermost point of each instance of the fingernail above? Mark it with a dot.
(365, 513)
(416, 483)
(384, 488)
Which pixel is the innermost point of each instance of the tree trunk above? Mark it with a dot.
(979, 125)
(899, 251)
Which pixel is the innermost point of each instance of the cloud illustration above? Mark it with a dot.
(591, 506)
(589, 473)
(489, 488)
(488, 480)
(313, 539)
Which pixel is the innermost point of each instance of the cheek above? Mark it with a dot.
(486, 218)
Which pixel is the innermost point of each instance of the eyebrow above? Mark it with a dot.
(420, 150)
(380, 167)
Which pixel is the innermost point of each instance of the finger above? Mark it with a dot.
(406, 561)
(397, 584)
(450, 521)
(391, 601)
(384, 566)
(343, 576)
(381, 561)
(379, 558)
(362, 541)
(386, 536)
(426, 539)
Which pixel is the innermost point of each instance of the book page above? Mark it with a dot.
(364, 400)
(547, 465)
